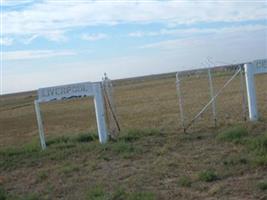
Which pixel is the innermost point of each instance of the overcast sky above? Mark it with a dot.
(51, 42)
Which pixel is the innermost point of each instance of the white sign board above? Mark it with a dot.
(65, 92)
(73, 91)
(260, 66)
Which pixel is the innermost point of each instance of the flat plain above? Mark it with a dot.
(152, 158)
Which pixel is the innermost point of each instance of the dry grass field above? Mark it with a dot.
(152, 158)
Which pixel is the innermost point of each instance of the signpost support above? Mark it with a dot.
(40, 124)
(100, 113)
(70, 91)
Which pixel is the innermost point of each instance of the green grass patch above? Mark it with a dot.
(136, 134)
(234, 134)
(86, 137)
(41, 176)
(98, 193)
(262, 185)
(258, 145)
(208, 176)
(3, 193)
(121, 148)
(68, 169)
(184, 181)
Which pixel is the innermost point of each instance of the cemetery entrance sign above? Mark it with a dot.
(78, 90)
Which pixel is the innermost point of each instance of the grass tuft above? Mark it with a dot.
(208, 176)
(262, 185)
(86, 138)
(136, 134)
(234, 134)
(96, 193)
(3, 193)
(184, 182)
(258, 145)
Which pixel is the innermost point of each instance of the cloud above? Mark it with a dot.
(190, 31)
(6, 41)
(52, 19)
(35, 54)
(94, 37)
(223, 40)
(15, 2)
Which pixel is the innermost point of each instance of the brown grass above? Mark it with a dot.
(153, 163)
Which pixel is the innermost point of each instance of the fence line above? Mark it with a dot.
(180, 100)
(213, 98)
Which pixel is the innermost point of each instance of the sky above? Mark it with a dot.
(53, 42)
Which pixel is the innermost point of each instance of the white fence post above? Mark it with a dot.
(100, 113)
(179, 93)
(40, 124)
(242, 90)
(251, 92)
(211, 97)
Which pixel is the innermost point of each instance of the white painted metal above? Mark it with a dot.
(100, 113)
(180, 100)
(251, 69)
(73, 91)
(251, 92)
(242, 90)
(211, 96)
(40, 124)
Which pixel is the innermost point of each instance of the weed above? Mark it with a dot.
(234, 134)
(258, 145)
(3, 194)
(41, 176)
(208, 176)
(96, 193)
(126, 150)
(57, 140)
(262, 185)
(136, 134)
(30, 197)
(184, 181)
(260, 160)
(119, 194)
(141, 196)
(69, 168)
(235, 161)
(85, 138)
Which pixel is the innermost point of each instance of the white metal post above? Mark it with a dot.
(40, 124)
(100, 113)
(243, 93)
(179, 93)
(251, 92)
(211, 97)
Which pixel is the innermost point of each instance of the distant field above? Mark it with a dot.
(152, 159)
